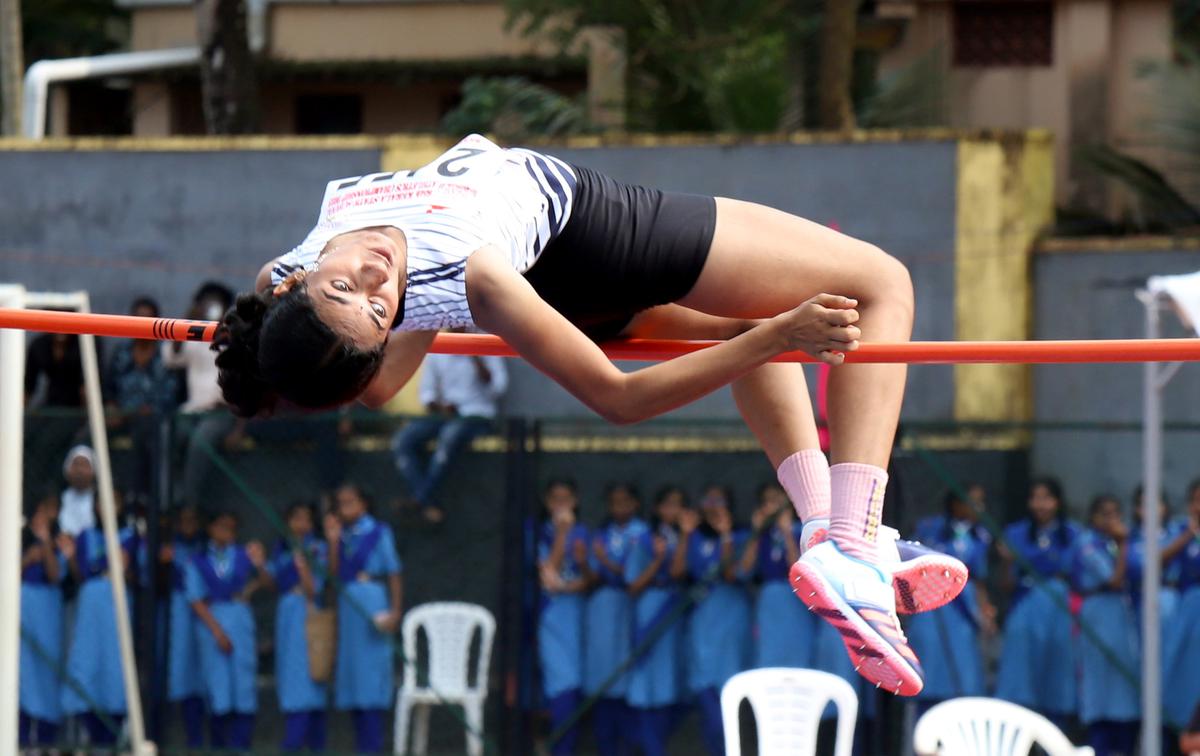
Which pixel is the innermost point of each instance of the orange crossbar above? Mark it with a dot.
(915, 352)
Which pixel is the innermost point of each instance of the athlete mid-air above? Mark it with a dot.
(554, 257)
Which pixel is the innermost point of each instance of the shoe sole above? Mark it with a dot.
(928, 582)
(873, 657)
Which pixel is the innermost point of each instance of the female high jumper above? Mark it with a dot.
(553, 258)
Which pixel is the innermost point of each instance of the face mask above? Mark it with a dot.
(213, 311)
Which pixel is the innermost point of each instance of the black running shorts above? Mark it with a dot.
(623, 250)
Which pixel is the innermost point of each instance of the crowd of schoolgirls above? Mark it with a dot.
(651, 611)
(70, 668)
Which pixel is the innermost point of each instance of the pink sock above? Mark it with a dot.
(805, 477)
(857, 491)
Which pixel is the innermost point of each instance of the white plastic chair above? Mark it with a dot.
(449, 628)
(787, 705)
(988, 727)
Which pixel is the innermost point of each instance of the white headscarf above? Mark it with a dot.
(77, 512)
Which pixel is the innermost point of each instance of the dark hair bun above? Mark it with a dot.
(236, 344)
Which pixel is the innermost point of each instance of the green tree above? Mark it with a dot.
(513, 108)
(227, 68)
(693, 65)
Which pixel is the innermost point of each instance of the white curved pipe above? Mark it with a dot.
(42, 74)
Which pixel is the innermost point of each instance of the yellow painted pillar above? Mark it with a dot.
(1005, 198)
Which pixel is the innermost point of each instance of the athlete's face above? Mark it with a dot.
(358, 283)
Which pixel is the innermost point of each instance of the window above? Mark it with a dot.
(1014, 33)
(329, 114)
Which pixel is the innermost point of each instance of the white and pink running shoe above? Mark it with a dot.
(923, 579)
(858, 600)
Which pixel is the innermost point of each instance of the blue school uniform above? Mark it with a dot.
(719, 635)
(365, 674)
(609, 612)
(41, 642)
(947, 639)
(560, 619)
(1181, 669)
(297, 690)
(93, 664)
(560, 635)
(655, 680)
(1038, 663)
(184, 680)
(718, 630)
(785, 630)
(218, 576)
(1105, 694)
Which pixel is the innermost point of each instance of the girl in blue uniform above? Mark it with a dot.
(565, 576)
(93, 666)
(42, 568)
(719, 632)
(609, 619)
(654, 681)
(947, 639)
(218, 582)
(1108, 698)
(298, 568)
(1038, 665)
(784, 628)
(1181, 680)
(185, 685)
(362, 554)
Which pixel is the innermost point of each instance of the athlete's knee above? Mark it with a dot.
(891, 284)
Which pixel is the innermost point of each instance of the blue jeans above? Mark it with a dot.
(408, 445)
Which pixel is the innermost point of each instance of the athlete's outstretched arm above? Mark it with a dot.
(401, 357)
(504, 303)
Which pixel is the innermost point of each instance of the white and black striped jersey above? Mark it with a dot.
(473, 195)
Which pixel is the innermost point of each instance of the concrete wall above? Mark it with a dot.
(1090, 295)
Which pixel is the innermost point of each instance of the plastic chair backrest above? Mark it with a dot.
(787, 705)
(988, 727)
(449, 627)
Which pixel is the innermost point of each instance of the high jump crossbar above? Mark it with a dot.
(914, 352)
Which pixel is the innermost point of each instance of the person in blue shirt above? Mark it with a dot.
(1182, 635)
(298, 567)
(948, 639)
(1038, 664)
(42, 568)
(784, 628)
(362, 555)
(608, 618)
(565, 576)
(1109, 657)
(719, 631)
(218, 584)
(185, 686)
(94, 677)
(654, 681)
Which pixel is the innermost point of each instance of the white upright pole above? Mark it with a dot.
(112, 543)
(12, 411)
(1152, 494)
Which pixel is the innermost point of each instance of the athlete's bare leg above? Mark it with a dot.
(763, 262)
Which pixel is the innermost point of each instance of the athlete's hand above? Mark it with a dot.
(823, 327)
